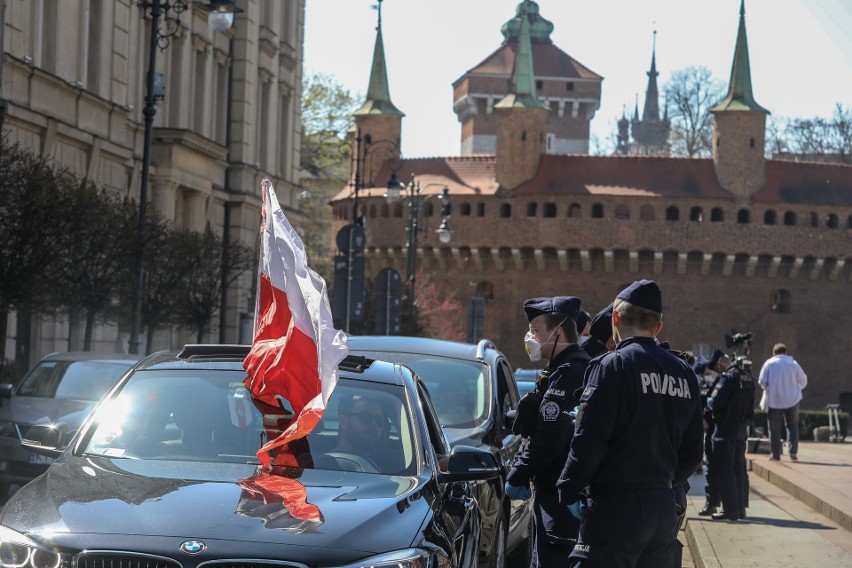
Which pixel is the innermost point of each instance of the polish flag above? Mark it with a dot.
(296, 348)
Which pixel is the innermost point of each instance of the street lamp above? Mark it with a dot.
(221, 11)
(444, 231)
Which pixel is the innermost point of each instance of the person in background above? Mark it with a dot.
(782, 380)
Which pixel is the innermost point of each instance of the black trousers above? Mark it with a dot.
(729, 447)
(711, 490)
(555, 530)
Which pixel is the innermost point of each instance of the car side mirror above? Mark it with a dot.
(46, 439)
(6, 390)
(467, 463)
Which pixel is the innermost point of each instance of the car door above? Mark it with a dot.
(507, 393)
(456, 511)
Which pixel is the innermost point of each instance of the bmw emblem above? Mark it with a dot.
(193, 547)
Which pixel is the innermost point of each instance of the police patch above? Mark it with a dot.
(550, 411)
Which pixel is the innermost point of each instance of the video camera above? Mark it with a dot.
(733, 339)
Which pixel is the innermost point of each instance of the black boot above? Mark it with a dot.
(707, 510)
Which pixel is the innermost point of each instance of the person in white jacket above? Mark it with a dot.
(782, 380)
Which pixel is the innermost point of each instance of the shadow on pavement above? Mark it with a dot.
(770, 522)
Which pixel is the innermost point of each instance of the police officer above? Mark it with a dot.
(732, 403)
(544, 421)
(638, 434)
(709, 379)
(599, 339)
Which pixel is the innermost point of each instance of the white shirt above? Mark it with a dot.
(783, 379)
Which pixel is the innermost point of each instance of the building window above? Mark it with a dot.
(672, 213)
(93, 60)
(597, 211)
(485, 289)
(385, 210)
(372, 213)
(780, 302)
(569, 86)
(397, 210)
(814, 219)
(751, 143)
(743, 217)
(789, 218)
(532, 209)
(622, 212)
(574, 211)
(769, 218)
(696, 214)
(48, 37)
(646, 213)
(549, 210)
(480, 210)
(464, 210)
(428, 210)
(475, 319)
(832, 221)
(539, 85)
(717, 215)
(200, 110)
(505, 210)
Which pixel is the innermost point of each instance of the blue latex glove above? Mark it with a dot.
(578, 509)
(518, 492)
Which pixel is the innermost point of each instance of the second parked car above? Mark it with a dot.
(477, 400)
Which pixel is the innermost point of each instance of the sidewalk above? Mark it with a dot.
(782, 529)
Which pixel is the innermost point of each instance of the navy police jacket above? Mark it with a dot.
(639, 423)
(543, 454)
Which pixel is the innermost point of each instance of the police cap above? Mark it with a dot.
(568, 305)
(714, 359)
(643, 294)
(601, 328)
(582, 319)
(700, 364)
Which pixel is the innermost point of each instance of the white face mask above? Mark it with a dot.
(532, 346)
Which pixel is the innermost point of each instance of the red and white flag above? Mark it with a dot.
(296, 349)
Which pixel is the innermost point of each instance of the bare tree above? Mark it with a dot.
(690, 94)
(821, 138)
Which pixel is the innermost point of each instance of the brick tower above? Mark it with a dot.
(521, 119)
(740, 129)
(377, 121)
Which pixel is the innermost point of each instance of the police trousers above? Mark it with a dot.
(634, 528)
(555, 530)
(729, 464)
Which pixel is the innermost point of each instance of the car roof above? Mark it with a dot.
(230, 358)
(422, 346)
(91, 356)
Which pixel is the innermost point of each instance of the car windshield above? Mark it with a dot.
(209, 416)
(81, 380)
(460, 389)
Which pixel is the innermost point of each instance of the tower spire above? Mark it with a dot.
(740, 95)
(651, 112)
(522, 91)
(378, 91)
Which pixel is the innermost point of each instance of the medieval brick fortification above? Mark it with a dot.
(736, 242)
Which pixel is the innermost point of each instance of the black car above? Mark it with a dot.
(164, 474)
(477, 400)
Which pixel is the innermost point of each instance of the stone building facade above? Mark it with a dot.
(736, 242)
(73, 87)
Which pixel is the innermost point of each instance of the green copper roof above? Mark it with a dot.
(378, 92)
(522, 83)
(540, 29)
(740, 97)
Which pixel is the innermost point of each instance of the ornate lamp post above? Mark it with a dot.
(444, 231)
(220, 19)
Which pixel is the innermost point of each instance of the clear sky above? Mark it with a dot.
(800, 52)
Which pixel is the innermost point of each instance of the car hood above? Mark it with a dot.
(29, 410)
(96, 503)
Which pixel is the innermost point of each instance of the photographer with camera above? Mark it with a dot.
(709, 375)
(782, 380)
(732, 406)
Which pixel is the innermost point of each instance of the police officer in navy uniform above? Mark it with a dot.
(545, 423)
(600, 333)
(717, 363)
(732, 403)
(638, 434)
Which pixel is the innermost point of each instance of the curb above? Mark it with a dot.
(703, 554)
(788, 483)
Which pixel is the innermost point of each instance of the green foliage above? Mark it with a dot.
(808, 420)
(327, 109)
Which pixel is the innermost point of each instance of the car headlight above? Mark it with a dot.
(18, 551)
(8, 429)
(408, 558)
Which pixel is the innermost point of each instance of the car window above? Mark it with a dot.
(209, 416)
(83, 380)
(436, 436)
(461, 390)
(506, 396)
